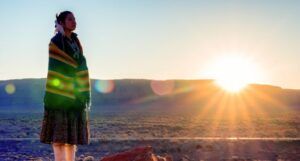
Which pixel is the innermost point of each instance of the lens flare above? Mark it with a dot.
(10, 88)
(55, 82)
(162, 87)
(104, 86)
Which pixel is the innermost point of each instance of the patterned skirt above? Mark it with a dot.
(65, 126)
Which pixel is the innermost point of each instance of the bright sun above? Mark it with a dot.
(234, 72)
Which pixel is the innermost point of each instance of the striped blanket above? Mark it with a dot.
(68, 82)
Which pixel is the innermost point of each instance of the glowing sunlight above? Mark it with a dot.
(234, 72)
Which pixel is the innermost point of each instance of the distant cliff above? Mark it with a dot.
(26, 95)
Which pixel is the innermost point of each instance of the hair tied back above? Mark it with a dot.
(58, 27)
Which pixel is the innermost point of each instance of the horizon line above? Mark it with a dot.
(252, 83)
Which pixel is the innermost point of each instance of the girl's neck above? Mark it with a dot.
(68, 33)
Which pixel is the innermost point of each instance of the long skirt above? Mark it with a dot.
(65, 126)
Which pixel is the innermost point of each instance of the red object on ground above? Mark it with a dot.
(144, 153)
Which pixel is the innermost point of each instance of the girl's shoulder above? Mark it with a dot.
(57, 38)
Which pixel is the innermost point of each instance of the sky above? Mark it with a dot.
(156, 39)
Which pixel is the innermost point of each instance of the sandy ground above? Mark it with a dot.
(182, 149)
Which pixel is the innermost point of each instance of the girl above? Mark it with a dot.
(67, 95)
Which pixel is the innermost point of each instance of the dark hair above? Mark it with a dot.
(61, 17)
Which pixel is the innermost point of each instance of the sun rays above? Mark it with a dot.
(235, 111)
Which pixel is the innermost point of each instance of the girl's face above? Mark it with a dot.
(70, 23)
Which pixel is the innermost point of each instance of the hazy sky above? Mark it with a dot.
(156, 39)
